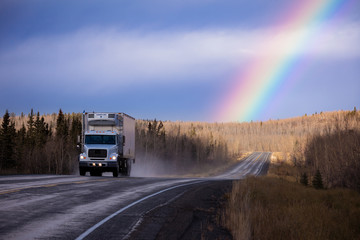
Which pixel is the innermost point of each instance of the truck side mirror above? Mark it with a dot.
(78, 139)
(123, 140)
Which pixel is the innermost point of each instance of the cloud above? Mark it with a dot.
(340, 42)
(95, 57)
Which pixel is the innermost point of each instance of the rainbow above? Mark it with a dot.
(253, 89)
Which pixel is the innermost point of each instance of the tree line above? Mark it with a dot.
(39, 146)
(335, 158)
(178, 147)
(324, 142)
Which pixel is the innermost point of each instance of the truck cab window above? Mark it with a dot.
(100, 139)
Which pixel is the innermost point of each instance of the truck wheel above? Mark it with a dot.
(82, 172)
(128, 167)
(115, 172)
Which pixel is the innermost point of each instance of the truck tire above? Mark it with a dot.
(115, 172)
(82, 172)
(128, 168)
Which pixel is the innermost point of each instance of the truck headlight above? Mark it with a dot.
(113, 157)
(82, 157)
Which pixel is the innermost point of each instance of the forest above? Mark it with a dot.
(328, 142)
(37, 144)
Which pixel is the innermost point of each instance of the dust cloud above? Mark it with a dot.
(151, 166)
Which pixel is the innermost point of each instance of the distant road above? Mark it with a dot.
(74, 207)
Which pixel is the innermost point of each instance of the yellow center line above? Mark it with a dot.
(80, 182)
(253, 162)
(259, 156)
(51, 185)
(14, 190)
(10, 191)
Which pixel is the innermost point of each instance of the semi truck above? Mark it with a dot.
(107, 143)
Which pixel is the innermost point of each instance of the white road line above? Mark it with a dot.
(262, 164)
(243, 164)
(90, 230)
(138, 223)
(253, 158)
(244, 168)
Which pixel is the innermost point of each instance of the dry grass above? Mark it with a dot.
(281, 166)
(280, 157)
(271, 208)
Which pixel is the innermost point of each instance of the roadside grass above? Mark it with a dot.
(273, 208)
(285, 171)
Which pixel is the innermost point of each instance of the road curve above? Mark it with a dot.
(74, 207)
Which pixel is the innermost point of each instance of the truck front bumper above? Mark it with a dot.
(104, 166)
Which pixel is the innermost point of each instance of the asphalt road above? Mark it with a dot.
(75, 207)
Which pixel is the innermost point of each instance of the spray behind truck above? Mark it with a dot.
(107, 144)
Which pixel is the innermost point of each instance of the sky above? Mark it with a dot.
(186, 60)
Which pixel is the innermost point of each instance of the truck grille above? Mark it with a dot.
(97, 153)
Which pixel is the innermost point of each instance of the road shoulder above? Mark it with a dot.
(194, 215)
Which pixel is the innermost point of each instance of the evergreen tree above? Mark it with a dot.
(304, 179)
(30, 135)
(75, 129)
(7, 142)
(63, 152)
(160, 129)
(317, 181)
(61, 126)
(20, 145)
(41, 132)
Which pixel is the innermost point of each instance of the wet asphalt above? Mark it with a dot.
(75, 207)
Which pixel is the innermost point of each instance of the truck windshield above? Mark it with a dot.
(99, 139)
